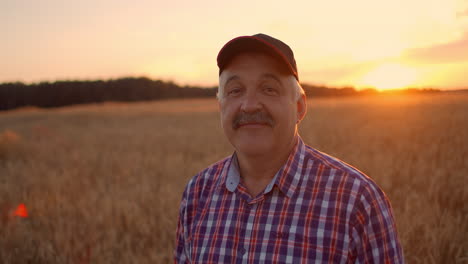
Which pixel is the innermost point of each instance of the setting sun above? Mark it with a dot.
(390, 76)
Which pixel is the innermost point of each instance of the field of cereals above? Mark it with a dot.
(102, 183)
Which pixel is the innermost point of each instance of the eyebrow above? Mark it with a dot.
(232, 78)
(271, 76)
(263, 76)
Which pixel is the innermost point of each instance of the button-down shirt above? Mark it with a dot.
(316, 209)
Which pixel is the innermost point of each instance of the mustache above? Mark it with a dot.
(255, 117)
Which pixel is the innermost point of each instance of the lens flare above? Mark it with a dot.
(21, 211)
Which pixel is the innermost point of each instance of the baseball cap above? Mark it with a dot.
(258, 43)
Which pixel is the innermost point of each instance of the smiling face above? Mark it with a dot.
(259, 107)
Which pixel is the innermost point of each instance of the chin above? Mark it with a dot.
(253, 147)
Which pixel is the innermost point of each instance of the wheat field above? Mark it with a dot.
(102, 183)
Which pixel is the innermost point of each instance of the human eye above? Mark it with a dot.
(270, 90)
(234, 91)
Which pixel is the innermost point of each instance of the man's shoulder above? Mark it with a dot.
(210, 175)
(348, 175)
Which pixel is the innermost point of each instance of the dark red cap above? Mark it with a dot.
(258, 43)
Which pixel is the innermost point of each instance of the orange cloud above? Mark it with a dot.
(452, 52)
(463, 13)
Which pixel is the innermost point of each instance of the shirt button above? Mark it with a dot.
(242, 251)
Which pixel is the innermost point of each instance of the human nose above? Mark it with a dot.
(251, 103)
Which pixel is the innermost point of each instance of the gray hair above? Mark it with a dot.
(299, 91)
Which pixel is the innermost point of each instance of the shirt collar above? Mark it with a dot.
(286, 179)
(233, 175)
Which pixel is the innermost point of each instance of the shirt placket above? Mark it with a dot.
(249, 221)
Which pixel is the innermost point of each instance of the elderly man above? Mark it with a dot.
(277, 200)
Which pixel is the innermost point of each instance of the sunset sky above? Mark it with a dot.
(362, 43)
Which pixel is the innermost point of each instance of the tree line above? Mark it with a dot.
(62, 93)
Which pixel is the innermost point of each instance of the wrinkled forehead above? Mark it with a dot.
(266, 64)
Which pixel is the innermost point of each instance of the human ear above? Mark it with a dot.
(301, 105)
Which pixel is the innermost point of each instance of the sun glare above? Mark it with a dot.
(390, 76)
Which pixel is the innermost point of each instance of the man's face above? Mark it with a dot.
(258, 104)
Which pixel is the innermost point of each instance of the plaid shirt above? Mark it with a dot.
(317, 209)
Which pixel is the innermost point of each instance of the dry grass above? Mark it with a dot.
(102, 183)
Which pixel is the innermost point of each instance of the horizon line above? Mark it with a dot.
(169, 80)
